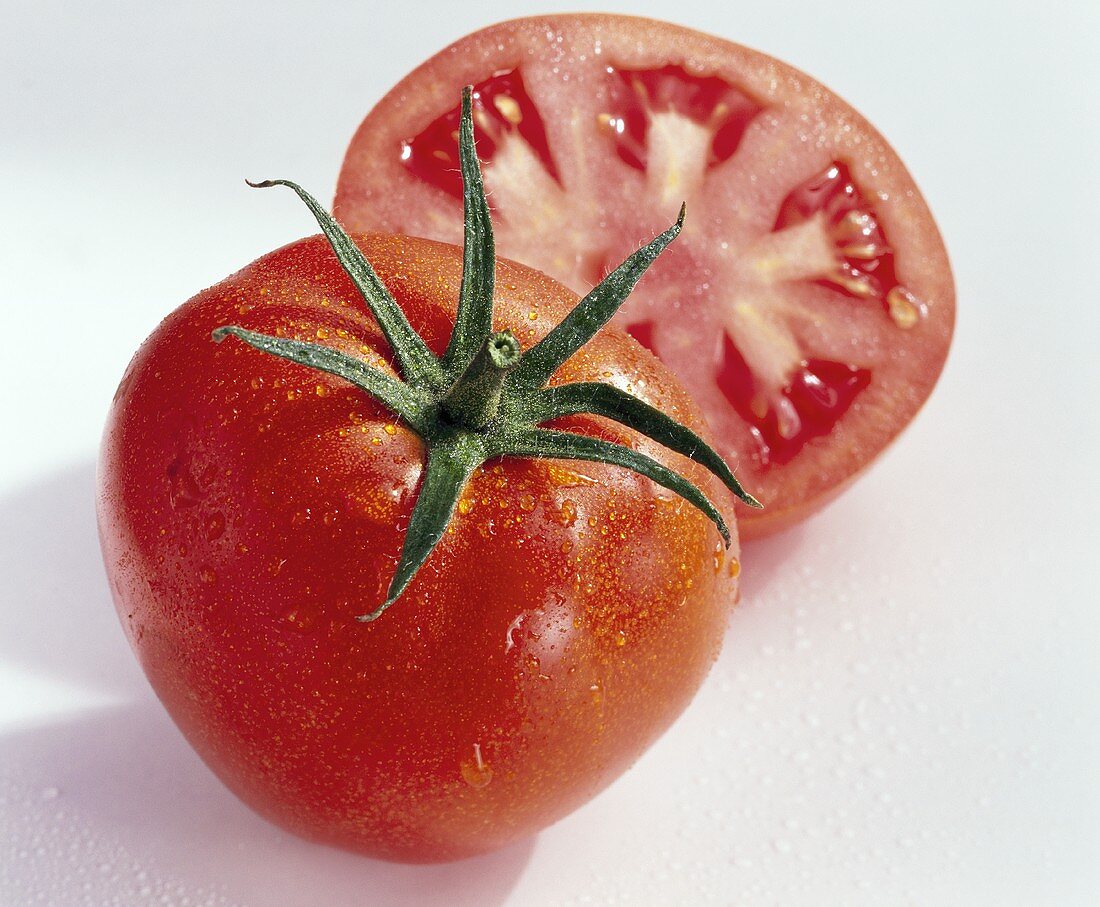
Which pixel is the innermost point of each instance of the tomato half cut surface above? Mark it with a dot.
(808, 305)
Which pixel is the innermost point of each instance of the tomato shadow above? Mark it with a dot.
(764, 560)
(118, 786)
(58, 616)
(124, 779)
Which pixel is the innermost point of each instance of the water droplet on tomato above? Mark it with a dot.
(567, 478)
(595, 691)
(509, 641)
(184, 489)
(215, 526)
(476, 772)
(301, 619)
(568, 512)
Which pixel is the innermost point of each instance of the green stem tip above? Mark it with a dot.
(474, 399)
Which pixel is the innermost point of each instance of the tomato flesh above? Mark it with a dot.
(808, 304)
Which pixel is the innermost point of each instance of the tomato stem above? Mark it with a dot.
(474, 400)
(485, 397)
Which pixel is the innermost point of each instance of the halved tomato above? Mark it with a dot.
(808, 304)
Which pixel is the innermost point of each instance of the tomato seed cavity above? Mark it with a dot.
(819, 392)
(641, 94)
(501, 107)
(865, 265)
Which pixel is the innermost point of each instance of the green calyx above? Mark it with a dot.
(485, 397)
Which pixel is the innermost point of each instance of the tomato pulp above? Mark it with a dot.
(251, 509)
(808, 305)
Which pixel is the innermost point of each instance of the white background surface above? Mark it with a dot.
(906, 708)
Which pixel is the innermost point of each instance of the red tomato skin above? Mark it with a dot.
(375, 192)
(249, 508)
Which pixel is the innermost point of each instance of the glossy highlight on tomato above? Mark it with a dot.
(251, 510)
(808, 305)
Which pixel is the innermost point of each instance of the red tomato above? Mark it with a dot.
(250, 509)
(808, 305)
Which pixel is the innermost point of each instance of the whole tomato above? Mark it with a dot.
(252, 511)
